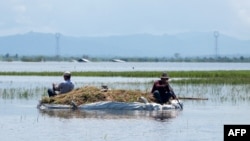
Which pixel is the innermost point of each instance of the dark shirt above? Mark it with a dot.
(161, 86)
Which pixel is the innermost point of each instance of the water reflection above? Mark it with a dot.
(110, 114)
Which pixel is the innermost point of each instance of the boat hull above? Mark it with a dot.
(102, 105)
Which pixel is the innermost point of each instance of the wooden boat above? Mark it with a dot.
(93, 98)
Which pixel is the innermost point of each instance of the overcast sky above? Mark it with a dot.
(123, 17)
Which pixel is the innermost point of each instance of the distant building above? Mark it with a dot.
(83, 60)
(117, 60)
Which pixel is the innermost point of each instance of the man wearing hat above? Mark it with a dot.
(161, 90)
(63, 87)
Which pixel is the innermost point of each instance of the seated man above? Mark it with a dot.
(63, 87)
(161, 90)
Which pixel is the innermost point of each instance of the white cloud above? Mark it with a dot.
(107, 17)
(243, 10)
(240, 10)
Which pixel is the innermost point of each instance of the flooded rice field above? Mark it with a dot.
(116, 66)
(199, 119)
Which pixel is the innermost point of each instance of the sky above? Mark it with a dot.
(124, 17)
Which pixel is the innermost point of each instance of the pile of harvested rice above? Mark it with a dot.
(89, 94)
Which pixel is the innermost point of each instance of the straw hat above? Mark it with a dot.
(164, 75)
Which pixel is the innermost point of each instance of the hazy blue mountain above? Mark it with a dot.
(138, 45)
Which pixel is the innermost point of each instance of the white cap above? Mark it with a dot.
(67, 73)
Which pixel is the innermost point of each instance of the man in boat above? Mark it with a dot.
(161, 89)
(63, 87)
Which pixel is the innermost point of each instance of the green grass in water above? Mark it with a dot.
(210, 77)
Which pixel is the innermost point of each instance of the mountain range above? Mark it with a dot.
(136, 45)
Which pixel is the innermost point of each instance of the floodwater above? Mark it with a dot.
(118, 66)
(199, 119)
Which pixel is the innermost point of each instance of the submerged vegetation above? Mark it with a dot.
(21, 93)
(195, 77)
(226, 85)
(213, 92)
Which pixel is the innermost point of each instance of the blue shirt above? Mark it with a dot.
(65, 86)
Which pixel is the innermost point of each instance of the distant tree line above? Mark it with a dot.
(16, 57)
